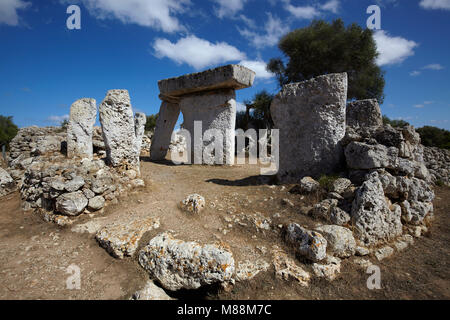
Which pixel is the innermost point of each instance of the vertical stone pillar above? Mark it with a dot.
(83, 114)
(140, 119)
(311, 118)
(217, 111)
(165, 124)
(116, 118)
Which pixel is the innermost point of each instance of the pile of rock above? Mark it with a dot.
(437, 162)
(71, 187)
(7, 184)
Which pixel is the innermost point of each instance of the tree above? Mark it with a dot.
(395, 123)
(324, 48)
(434, 137)
(151, 122)
(258, 111)
(8, 131)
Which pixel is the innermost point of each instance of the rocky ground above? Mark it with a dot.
(242, 210)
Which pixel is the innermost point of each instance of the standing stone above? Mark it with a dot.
(167, 118)
(311, 118)
(217, 112)
(140, 119)
(83, 114)
(116, 118)
(364, 113)
(208, 97)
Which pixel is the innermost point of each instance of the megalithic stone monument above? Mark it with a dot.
(83, 114)
(208, 97)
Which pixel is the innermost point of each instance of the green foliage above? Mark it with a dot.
(326, 181)
(395, 123)
(324, 48)
(434, 137)
(8, 130)
(151, 122)
(258, 112)
(64, 124)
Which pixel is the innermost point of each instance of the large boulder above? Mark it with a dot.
(340, 240)
(362, 156)
(116, 118)
(83, 114)
(178, 264)
(373, 219)
(309, 244)
(71, 204)
(311, 118)
(364, 113)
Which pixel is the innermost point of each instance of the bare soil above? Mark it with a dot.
(35, 255)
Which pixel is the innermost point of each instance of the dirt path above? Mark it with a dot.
(34, 255)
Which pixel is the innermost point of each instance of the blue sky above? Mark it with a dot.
(131, 44)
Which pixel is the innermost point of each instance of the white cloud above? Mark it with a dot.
(433, 66)
(306, 12)
(196, 52)
(419, 106)
(414, 73)
(422, 105)
(273, 31)
(332, 5)
(392, 50)
(259, 67)
(228, 8)
(435, 4)
(310, 12)
(58, 119)
(157, 14)
(8, 11)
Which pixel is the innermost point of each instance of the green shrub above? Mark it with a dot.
(8, 131)
(326, 181)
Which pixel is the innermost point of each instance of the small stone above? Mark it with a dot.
(329, 270)
(308, 243)
(96, 203)
(193, 203)
(75, 184)
(384, 253)
(151, 292)
(286, 268)
(361, 251)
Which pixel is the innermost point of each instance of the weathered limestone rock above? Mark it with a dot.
(121, 238)
(247, 270)
(363, 156)
(364, 113)
(167, 118)
(340, 185)
(194, 203)
(286, 268)
(73, 185)
(71, 204)
(217, 113)
(7, 184)
(384, 252)
(83, 114)
(373, 219)
(322, 210)
(116, 118)
(140, 119)
(311, 118)
(208, 97)
(151, 292)
(414, 212)
(96, 203)
(308, 185)
(340, 241)
(339, 216)
(308, 243)
(227, 77)
(329, 270)
(178, 264)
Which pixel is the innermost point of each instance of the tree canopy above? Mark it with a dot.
(434, 137)
(324, 48)
(151, 122)
(8, 130)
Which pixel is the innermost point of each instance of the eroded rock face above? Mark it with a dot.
(364, 113)
(308, 243)
(140, 119)
(7, 184)
(340, 240)
(178, 264)
(121, 238)
(373, 219)
(311, 118)
(116, 118)
(83, 114)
